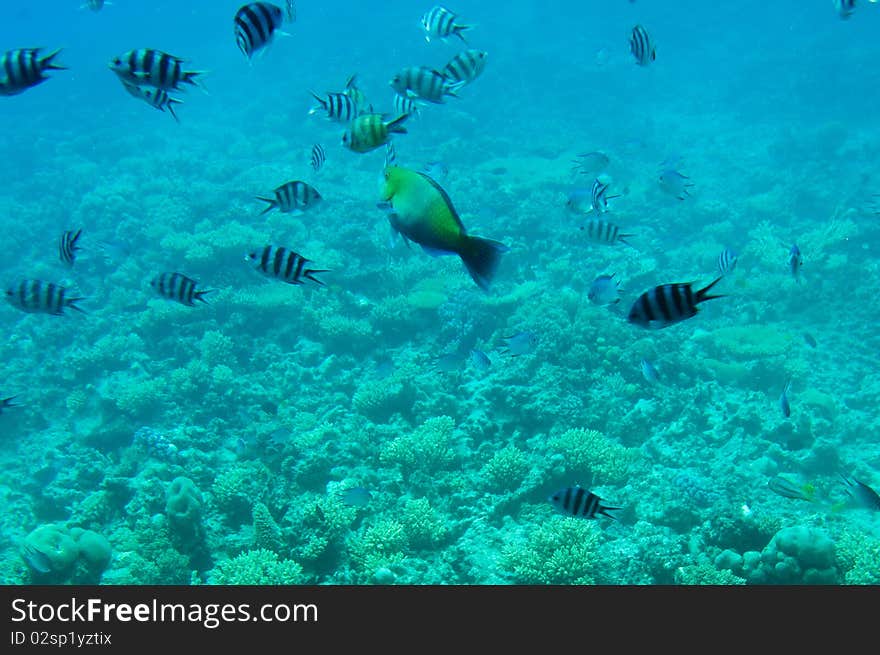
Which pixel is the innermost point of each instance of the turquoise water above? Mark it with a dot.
(285, 434)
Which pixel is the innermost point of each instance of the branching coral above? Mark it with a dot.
(257, 567)
(428, 449)
(589, 450)
(560, 551)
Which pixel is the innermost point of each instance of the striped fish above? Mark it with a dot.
(641, 46)
(156, 98)
(668, 304)
(339, 107)
(154, 68)
(845, 8)
(390, 154)
(599, 231)
(784, 403)
(441, 23)
(256, 24)
(577, 501)
(283, 264)
(23, 68)
(727, 261)
(318, 157)
(38, 297)
(371, 131)
(466, 66)
(404, 106)
(67, 246)
(599, 199)
(179, 287)
(359, 97)
(425, 84)
(292, 197)
(795, 262)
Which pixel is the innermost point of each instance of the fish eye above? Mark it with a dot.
(117, 61)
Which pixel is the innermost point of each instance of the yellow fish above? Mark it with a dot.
(369, 131)
(422, 212)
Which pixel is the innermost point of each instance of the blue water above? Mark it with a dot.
(273, 400)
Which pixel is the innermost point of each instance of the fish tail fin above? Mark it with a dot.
(481, 258)
(272, 204)
(171, 111)
(452, 88)
(71, 303)
(396, 126)
(192, 77)
(703, 294)
(461, 28)
(322, 104)
(309, 274)
(623, 239)
(607, 511)
(199, 295)
(46, 62)
(7, 402)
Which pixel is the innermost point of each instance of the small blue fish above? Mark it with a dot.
(783, 401)
(795, 261)
(649, 372)
(36, 559)
(591, 163)
(604, 290)
(811, 341)
(862, 493)
(580, 201)
(356, 497)
(448, 362)
(521, 343)
(480, 360)
(674, 183)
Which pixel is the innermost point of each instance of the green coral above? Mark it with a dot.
(183, 506)
(378, 400)
(706, 574)
(795, 555)
(377, 546)
(858, 555)
(586, 450)
(507, 469)
(560, 551)
(423, 526)
(235, 489)
(257, 567)
(217, 348)
(267, 535)
(58, 554)
(428, 449)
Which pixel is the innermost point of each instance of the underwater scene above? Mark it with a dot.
(484, 293)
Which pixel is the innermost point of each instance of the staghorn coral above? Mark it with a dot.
(559, 551)
(377, 546)
(584, 449)
(257, 567)
(428, 449)
(423, 526)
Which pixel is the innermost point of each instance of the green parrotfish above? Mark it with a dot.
(422, 212)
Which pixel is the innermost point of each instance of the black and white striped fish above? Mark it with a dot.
(339, 107)
(599, 198)
(727, 261)
(425, 84)
(156, 98)
(390, 154)
(668, 304)
(600, 231)
(466, 66)
(795, 262)
(641, 46)
(292, 197)
(179, 287)
(404, 106)
(283, 264)
(845, 8)
(67, 246)
(318, 157)
(441, 23)
(23, 68)
(38, 297)
(257, 22)
(577, 501)
(154, 68)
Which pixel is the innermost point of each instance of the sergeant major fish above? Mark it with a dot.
(727, 261)
(156, 98)
(38, 297)
(67, 247)
(292, 197)
(599, 197)
(795, 262)
(577, 501)
(256, 24)
(318, 157)
(441, 23)
(339, 107)
(154, 68)
(466, 66)
(421, 211)
(641, 46)
(784, 405)
(601, 231)
(425, 84)
(24, 68)
(370, 131)
(668, 304)
(179, 287)
(283, 264)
